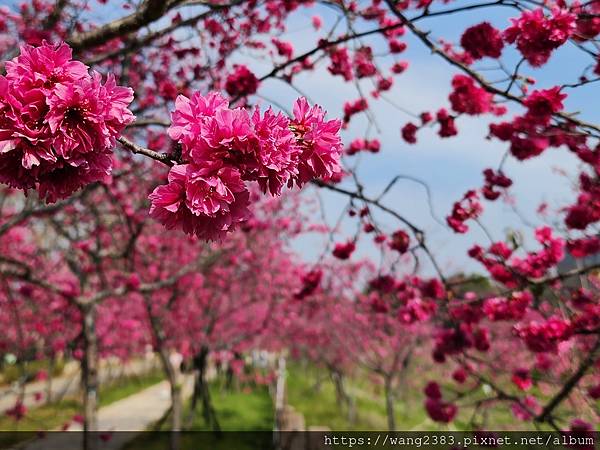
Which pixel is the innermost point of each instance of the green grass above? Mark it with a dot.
(122, 388)
(12, 373)
(317, 402)
(246, 410)
(46, 417)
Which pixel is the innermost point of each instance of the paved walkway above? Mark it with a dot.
(133, 414)
(68, 384)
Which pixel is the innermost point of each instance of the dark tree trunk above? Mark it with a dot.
(89, 377)
(344, 400)
(172, 377)
(175, 389)
(389, 403)
(51, 364)
(202, 392)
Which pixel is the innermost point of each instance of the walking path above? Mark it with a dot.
(67, 384)
(132, 414)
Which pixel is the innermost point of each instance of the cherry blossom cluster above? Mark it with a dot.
(458, 339)
(533, 265)
(223, 149)
(468, 98)
(310, 283)
(436, 407)
(494, 180)
(59, 122)
(468, 208)
(531, 134)
(411, 300)
(360, 144)
(482, 40)
(344, 250)
(537, 36)
(241, 82)
(351, 108)
(444, 119)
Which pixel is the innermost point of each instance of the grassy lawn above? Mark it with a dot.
(317, 401)
(12, 373)
(248, 409)
(122, 388)
(312, 393)
(245, 411)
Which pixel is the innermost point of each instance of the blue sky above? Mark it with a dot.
(449, 166)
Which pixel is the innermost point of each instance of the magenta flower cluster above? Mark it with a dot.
(58, 122)
(223, 149)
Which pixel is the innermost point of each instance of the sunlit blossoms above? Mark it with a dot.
(537, 36)
(241, 82)
(224, 149)
(482, 40)
(59, 122)
(205, 201)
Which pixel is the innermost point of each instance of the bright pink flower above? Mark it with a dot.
(400, 67)
(432, 390)
(207, 202)
(447, 124)
(522, 379)
(241, 82)
(492, 180)
(580, 248)
(537, 36)
(468, 208)
(482, 40)
(363, 62)
(409, 133)
(544, 336)
(340, 63)
(543, 103)
(219, 141)
(317, 22)
(284, 48)
(190, 116)
(354, 107)
(440, 411)
(511, 308)
(400, 241)
(276, 152)
(43, 67)
(319, 141)
(467, 98)
(344, 250)
(85, 116)
(537, 264)
(58, 123)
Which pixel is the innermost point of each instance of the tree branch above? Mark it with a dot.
(137, 149)
(570, 384)
(148, 12)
